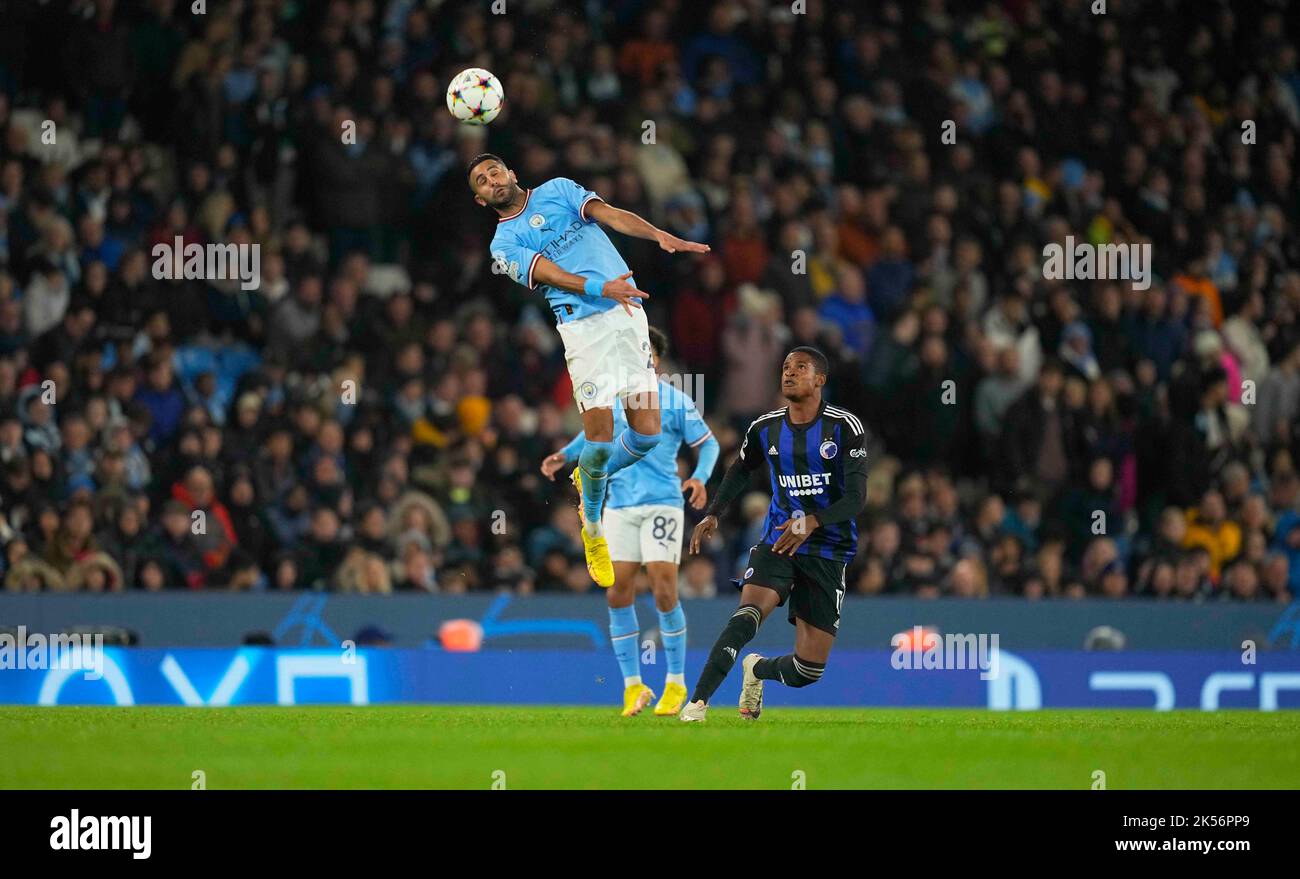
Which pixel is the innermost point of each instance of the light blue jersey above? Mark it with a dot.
(654, 480)
(553, 223)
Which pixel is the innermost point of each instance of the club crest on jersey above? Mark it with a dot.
(749, 572)
(536, 221)
(588, 390)
(829, 449)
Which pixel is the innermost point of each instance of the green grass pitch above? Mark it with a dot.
(543, 747)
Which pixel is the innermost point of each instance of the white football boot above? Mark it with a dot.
(751, 690)
(694, 712)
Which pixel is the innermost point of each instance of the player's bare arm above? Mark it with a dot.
(630, 224)
(618, 289)
(703, 531)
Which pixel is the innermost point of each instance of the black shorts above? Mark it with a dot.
(814, 586)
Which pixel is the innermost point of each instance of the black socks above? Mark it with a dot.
(739, 631)
(789, 670)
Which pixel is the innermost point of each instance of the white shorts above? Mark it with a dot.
(608, 356)
(652, 533)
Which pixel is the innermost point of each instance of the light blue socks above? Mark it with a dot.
(672, 630)
(594, 461)
(630, 447)
(624, 634)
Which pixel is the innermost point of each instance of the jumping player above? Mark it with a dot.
(643, 521)
(817, 456)
(548, 239)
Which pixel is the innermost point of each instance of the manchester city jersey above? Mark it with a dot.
(654, 479)
(553, 223)
(808, 464)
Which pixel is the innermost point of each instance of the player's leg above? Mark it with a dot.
(661, 550)
(642, 433)
(593, 463)
(586, 345)
(623, 531)
(672, 632)
(812, 647)
(767, 583)
(815, 603)
(756, 602)
(625, 636)
(638, 387)
(590, 478)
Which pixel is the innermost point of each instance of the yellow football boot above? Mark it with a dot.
(596, 549)
(635, 698)
(598, 562)
(576, 478)
(671, 702)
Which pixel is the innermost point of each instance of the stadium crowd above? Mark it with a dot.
(372, 417)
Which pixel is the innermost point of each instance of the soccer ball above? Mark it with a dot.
(475, 96)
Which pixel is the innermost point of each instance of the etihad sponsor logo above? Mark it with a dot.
(564, 242)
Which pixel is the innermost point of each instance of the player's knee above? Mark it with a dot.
(622, 593)
(641, 443)
(665, 594)
(805, 673)
(645, 420)
(746, 620)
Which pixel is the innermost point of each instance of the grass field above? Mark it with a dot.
(538, 747)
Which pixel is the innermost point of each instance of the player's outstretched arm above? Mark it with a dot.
(548, 273)
(630, 224)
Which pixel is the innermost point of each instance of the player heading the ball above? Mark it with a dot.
(549, 239)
